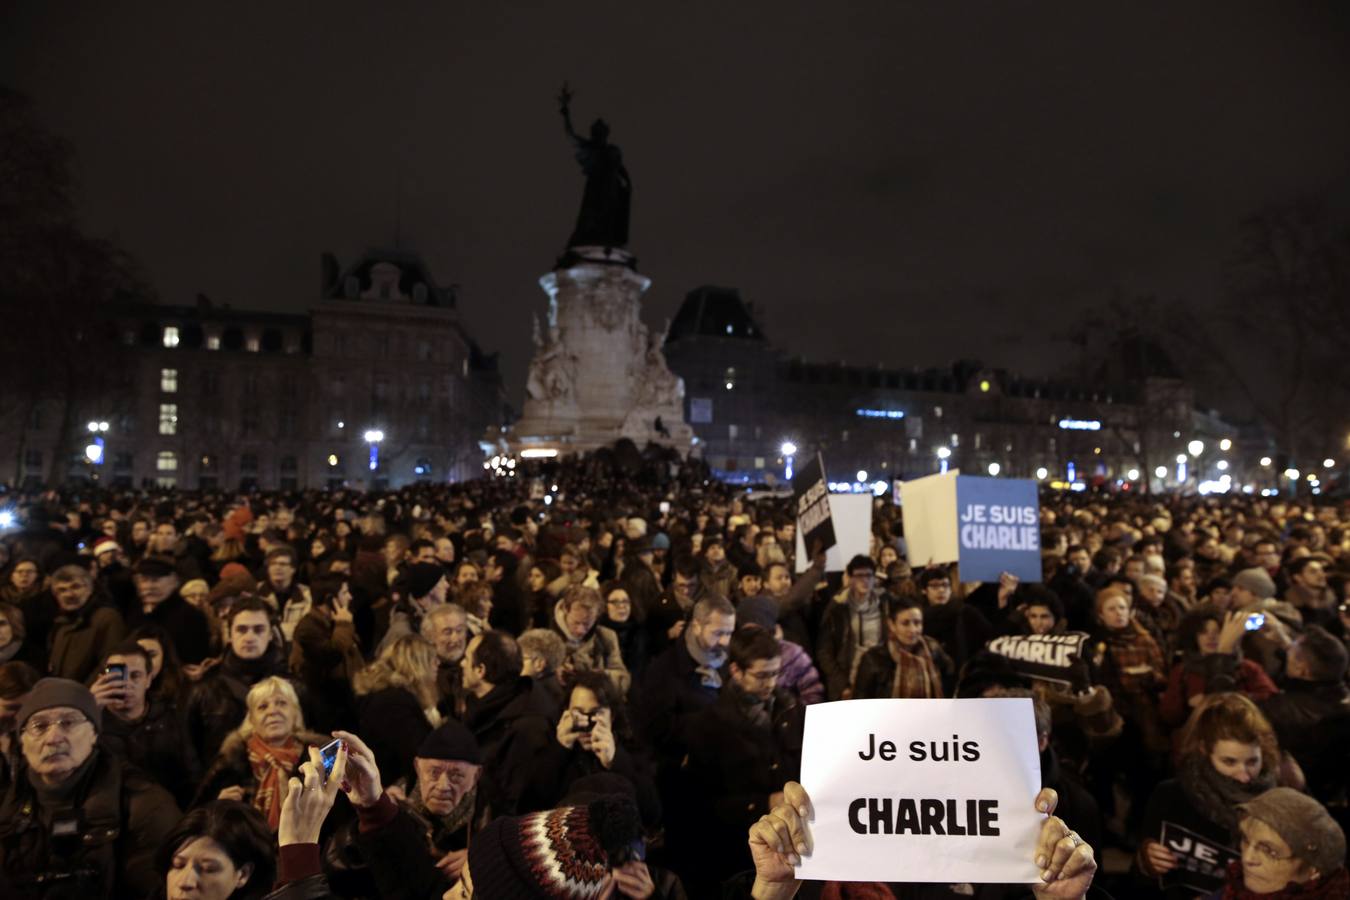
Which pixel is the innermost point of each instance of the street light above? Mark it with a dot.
(1196, 448)
(1221, 465)
(1225, 445)
(1291, 473)
(1042, 473)
(1161, 471)
(1181, 458)
(1132, 475)
(788, 450)
(1328, 463)
(943, 454)
(373, 438)
(862, 474)
(1265, 461)
(994, 468)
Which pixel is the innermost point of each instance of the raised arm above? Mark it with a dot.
(564, 101)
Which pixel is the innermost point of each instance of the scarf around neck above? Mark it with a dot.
(272, 767)
(705, 667)
(916, 675)
(1215, 795)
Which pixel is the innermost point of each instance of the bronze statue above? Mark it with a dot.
(603, 220)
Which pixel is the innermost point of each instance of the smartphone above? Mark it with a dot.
(1255, 621)
(328, 757)
(117, 670)
(664, 506)
(583, 722)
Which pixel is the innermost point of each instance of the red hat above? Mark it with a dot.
(104, 545)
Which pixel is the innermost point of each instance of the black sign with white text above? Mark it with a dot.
(811, 498)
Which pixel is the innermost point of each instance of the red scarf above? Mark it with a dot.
(272, 768)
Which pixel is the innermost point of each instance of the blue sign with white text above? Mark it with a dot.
(998, 523)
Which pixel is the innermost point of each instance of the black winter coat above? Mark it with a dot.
(218, 702)
(158, 745)
(670, 693)
(122, 818)
(186, 624)
(513, 723)
(733, 767)
(394, 725)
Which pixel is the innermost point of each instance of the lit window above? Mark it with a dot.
(167, 461)
(168, 381)
(956, 440)
(170, 336)
(937, 412)
(252, 343)
(213, 342)
(168, 418)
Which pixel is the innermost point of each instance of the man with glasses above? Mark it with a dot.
(852, 624)
(74, 821)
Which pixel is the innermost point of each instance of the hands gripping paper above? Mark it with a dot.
(922, 790)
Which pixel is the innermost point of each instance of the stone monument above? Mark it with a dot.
(597, 375)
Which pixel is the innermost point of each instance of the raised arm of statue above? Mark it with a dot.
(564, 101)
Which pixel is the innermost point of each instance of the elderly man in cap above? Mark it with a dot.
(441, 813)
(159, 603)
(74, 822)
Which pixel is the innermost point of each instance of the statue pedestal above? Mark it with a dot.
(597, 376)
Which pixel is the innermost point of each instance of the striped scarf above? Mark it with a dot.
(272, 767)
(916, 675)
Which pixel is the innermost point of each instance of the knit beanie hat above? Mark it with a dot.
(1303, 824)
(1257, 581)
(559, 854)
(451, 741)
(761, 611)
(49, 693)
(422, 577)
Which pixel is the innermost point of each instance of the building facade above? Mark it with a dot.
(207, 396)
(747, 399)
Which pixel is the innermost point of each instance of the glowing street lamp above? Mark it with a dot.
(789, 450)
(943, 455)
(1042, 473)
(1225, 445)
(1328, 463)
(1161, 471)
(1265, 461)
(373, 438)
(1132, 475)
(1291, 473)
(1196, 447)
(994, 469)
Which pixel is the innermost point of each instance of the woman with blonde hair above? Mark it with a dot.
(1229, 755)
(258, 758)
(396, 702)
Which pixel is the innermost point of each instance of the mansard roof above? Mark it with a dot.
(385, 275)
(710, 311)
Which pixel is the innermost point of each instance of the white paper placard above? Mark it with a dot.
(930, 518)
(934, 768)
(852, 515)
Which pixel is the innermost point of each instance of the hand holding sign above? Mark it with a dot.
(778, 840)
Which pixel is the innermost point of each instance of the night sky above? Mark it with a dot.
(887, 182)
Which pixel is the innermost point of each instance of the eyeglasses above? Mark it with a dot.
(1265, 850)
(66, 724)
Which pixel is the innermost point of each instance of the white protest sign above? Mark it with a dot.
(930, 519)
(922, 791)
(852, 514)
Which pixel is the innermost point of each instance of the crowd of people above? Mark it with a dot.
(589, 679)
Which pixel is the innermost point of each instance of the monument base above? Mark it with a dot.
(598, 376)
